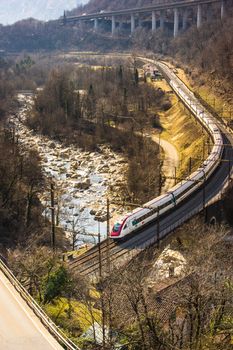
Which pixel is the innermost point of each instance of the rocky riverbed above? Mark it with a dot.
(82, 180)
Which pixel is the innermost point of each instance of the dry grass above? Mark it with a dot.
(182, 130)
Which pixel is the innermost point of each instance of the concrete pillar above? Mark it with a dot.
(176, 22)
(184, 19)
(120, 25)
(113, 25)
(161, 24)
(223, 9)
(209, 13)
(95, 24)
(199, 16)
(132, 23)
(153, 21)
(139, 21)
(81, 25)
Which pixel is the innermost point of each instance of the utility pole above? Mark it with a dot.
(190, 165)
(103, 302)
(204, 200)
(203, 150)
(158, 230)
(53, 242)
(99, 253)
(160, 177)
(101, 290)
(110, 291)
(229, 170)
(108, 241)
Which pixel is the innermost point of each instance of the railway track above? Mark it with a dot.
(109, 253)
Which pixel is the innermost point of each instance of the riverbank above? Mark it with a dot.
(81, 180)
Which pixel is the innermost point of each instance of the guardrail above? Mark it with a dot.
(135, 10)
(62, 339)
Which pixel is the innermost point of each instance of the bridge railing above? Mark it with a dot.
(62, 339)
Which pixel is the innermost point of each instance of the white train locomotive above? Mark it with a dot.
(158, 206)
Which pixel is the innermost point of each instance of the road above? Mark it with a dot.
(20, 329)
(143, 9)
(171, 160)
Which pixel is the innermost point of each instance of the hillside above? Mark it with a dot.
(14, 10)
(209, 49)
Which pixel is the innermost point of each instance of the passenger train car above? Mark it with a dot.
(160, 205)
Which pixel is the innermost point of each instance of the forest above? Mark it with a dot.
(89, 107)
(176, 294)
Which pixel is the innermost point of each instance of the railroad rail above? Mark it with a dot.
(116, 253)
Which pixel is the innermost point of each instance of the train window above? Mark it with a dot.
(116, 227)
(164, 205)
(150, 213)
(187, 189)
(125, 226)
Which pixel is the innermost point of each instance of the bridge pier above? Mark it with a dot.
(223, 9)
(176, 22)
(185, 19)
(209, 13)
(161, 24)
(139, 21)
(180, 9)
(96, 24)
(113, 25)
(199, 16)
(153, 21)
(132, 23)
(120, 25)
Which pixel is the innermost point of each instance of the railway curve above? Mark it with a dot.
(115, 253)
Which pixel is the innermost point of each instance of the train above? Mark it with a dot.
(168, 201)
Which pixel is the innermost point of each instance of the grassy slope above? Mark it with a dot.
(181, 129)
(214, 96)
(81, 317)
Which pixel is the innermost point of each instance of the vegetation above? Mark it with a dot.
(191, 310)
(89, 107)
(194, 311)
(181, 129)
(63, 294)
(21, 178)
(20, 175)
(20, 183)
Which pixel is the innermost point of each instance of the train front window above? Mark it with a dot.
(116, 227)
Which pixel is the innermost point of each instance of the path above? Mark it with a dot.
(171, 160)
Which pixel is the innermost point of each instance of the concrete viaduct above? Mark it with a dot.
(157, 13)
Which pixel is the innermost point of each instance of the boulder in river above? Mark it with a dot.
(93, 212)
(74, 165)
(52, 145)
(84, 185)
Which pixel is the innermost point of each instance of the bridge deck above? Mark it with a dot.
(19, 327)
(158, 7)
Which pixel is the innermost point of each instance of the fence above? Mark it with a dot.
(62, 339)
